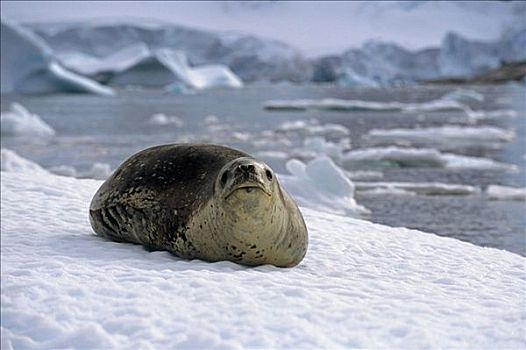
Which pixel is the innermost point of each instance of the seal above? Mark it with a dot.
(201, 201)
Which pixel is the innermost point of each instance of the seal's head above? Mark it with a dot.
(246, 185)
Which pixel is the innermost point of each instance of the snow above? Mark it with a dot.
(420, 157)
(506, 193)
(449, 136)
(421, 188)
(360, 105)
(29, 66)
(361, 285)
(18, 121)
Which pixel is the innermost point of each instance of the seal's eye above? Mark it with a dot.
(269, 174)
(224, 178)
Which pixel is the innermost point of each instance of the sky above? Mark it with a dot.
(316, 28)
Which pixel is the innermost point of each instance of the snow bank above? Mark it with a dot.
(18, 121)
(506, 193)
(419, 157)
(361, 285)
(28, 66)
(322, 185)
(449, 136)
(360, 105)
(422, 188)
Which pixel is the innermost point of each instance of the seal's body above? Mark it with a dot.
(201, 201)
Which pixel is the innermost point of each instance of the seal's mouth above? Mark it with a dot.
(248, 188)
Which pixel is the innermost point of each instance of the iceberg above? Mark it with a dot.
(18, 121)
(29, 66)
(64, 287)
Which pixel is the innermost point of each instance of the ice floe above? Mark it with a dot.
(322, 185)
(499, 192)
(163, 119)
(64, 287)
(18, 121)
(422, 188)
(449, 136)
(419, 157)
(312, 127)
(360, 105)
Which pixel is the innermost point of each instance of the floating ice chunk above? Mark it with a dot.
(18, 121)
(359, 105)
(463, 95)
(211, 119)
(396, 156)
(163, 119)
(495, 114)
(419, 157)
(446, 136)
(378, 191)
(506, 193)
(312, 127)
(466, 162)
(423, 188)
(364, 175)
(320, 184)
(12, 162)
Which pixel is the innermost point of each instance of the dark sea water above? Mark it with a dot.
(93, 129)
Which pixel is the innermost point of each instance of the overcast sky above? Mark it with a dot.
(313, 27)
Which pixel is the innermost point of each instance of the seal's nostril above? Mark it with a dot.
(247, 168)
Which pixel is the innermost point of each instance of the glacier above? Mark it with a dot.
(29, 66)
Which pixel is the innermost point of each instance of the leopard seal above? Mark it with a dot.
(201, 201)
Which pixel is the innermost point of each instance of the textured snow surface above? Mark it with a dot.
(360, 285)
(18, 121)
